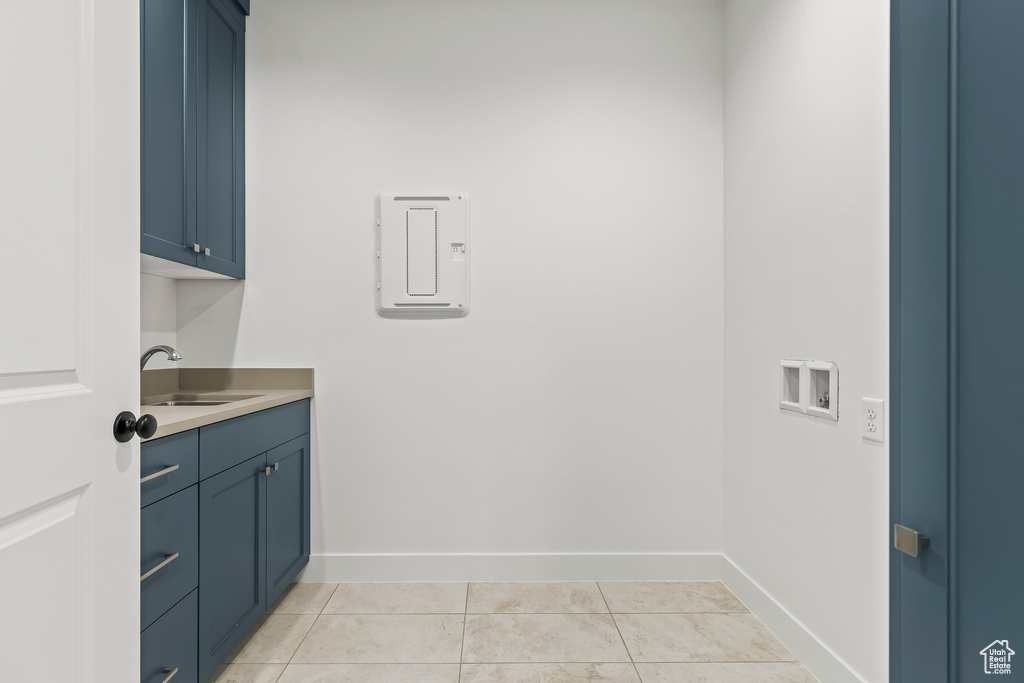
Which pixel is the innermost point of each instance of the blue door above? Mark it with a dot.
(957, 291)
(989, 174)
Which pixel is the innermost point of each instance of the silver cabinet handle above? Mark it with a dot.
(277, 466)
(151, 477)
(170, 674)
(170, 557)
(195, 248)
(207, 251)
(266, 471)
(911, 542)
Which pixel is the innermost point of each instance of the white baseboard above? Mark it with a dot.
(514, 567)
(819, 659)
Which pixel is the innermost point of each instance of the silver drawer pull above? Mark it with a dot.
(166, 470)
(171, 557)
(170, 673)
(277, 466)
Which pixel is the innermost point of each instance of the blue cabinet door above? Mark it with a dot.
(168, 142)
(232, 564)
(220, 178)
(287, 514)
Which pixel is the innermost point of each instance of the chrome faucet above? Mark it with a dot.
(171, 355)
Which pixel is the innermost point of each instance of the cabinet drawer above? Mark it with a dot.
(225, 444)
(158, 459)
(169, 526)
(170, 643)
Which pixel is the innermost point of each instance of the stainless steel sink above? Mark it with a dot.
(197, 399)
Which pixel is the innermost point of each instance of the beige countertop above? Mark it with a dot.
(264, 387)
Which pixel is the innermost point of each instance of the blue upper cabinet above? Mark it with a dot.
(193, 133)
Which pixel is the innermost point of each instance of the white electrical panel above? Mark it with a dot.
(423, 255)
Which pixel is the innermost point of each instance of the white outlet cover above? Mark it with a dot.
(872, 419)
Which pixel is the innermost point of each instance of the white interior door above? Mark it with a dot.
(69, 334)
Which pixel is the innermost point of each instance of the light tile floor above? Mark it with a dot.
(648, 632)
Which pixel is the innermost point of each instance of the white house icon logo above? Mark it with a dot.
(997, 657)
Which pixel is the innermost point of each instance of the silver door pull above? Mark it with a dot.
(195, 248)
(170, 673)
(266, 471)
(170, 557)
(277, 466)
(207, 251)
(151, 477)
(909, 541)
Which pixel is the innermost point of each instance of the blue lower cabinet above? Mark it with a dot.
(241, 534)
(169, 564)
(287, 514)
(232, 546)
(169, 644)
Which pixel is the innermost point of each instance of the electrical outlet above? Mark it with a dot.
(872, 419)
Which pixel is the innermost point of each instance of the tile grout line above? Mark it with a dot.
(503, 614)
(465, 617)
(617, 630)
(308, 631)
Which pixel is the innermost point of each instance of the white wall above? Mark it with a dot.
(578, 408)
(806, 252)
(159, 301)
